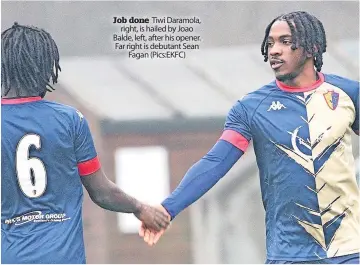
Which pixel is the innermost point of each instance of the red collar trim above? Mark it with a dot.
(315, 85)
(19, 100)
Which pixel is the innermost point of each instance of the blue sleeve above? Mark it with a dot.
(355, 125)
(85, 151)
(238, 120)
(202, 176)
(351, 87)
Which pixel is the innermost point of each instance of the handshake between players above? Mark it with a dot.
(152, 218)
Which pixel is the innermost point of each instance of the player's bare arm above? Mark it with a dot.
(107, 195)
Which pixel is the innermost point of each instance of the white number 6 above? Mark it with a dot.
(31, 172)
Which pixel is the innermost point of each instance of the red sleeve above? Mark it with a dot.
(89, 167)
(236, 139)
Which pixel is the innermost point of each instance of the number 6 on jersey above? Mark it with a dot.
(31, 172)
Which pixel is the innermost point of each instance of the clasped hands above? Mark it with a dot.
(150, 236)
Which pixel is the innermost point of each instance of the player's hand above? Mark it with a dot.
(153, 218)
(150, 236)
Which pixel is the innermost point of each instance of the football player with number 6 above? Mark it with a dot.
(47, 154)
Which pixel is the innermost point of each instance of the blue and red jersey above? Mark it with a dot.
(45, 148)
(302, 142)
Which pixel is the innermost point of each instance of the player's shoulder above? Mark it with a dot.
(253, 99)
(340, 80)
(64, 110)
(249, 103)
(346, 84)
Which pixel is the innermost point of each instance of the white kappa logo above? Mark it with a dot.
(276, 106)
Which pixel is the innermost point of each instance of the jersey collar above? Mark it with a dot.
(315, 85)
(19, 100)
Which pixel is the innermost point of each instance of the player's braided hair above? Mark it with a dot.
(308, 33)
(29, 57)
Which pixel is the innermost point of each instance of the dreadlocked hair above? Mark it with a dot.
(308, 33)
(29, 58)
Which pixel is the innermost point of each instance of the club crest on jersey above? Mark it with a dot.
(332, 99)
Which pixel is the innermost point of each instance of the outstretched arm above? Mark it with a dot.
(210, 169)
(102, 191)
(202, 176)
(107, 195)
